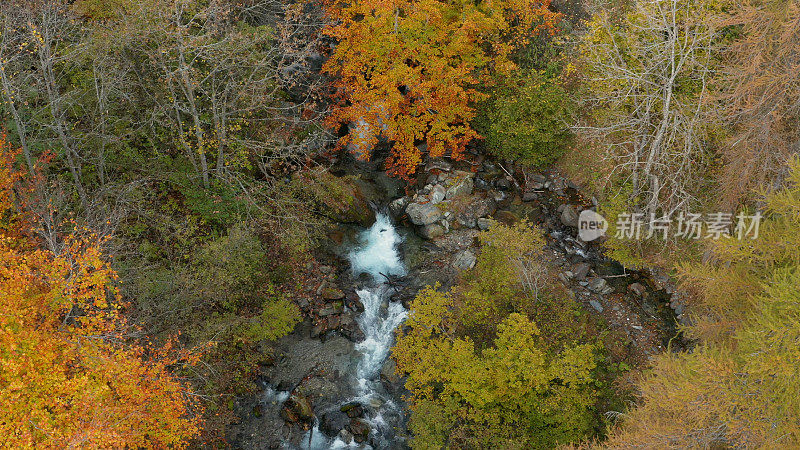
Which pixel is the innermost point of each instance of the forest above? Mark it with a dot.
(401, 224)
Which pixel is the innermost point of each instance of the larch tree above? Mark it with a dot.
(759, 91)
(738, 388)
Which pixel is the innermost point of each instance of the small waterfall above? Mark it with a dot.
(377, 256)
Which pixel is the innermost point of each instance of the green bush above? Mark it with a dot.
(527, 121)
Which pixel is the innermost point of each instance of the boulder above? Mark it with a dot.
(360, 429)
(405, 296)
(534, 182)
(465, 260)
(423, 213)
(503, 184)
(432, 231)
(332, 422)
(353, 410)
(330, 294)
(596, 305)
(484, 223)
(506, 217)
(461, 187)
(398, 206)
(346, 437)
(438, 193)
(438, 164)
(479, 207)
(599, 285)
(389, 374)
(335, 307)
(319, 329)
(349, 328)
(637, 289)
(297, 408)
(580, 271)
(569, 216)
(353, 302)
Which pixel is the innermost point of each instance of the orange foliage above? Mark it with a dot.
(408, 70)
(66, 377)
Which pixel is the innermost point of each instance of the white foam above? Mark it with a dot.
(379, 254)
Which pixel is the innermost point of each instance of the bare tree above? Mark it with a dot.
(648, 80)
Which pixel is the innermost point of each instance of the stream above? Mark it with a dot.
(377, 256)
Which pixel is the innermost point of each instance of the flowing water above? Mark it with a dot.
(378, 256)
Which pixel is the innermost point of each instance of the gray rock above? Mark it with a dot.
(332, 422)
(484, 223)
(335, 307)
(506, 217)
(457, 240)
(346, 320)
(360, 429)
(480, 207)
(330, 293)
(580, 271)
(596, 305)
(462, 187)
(423, 213)
(438, 193)
(398, 206)
(389, 372)
(346, 437)
(318, 387)
(529, 196)
(597, 285)
(297, 409)
(353, 411)
(432, 231)
(354, 302)
(503, 184)
(637, 289)
(535, 178)
(438, 164)
(569, 216)
(465, 260)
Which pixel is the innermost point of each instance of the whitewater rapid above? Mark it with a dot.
(378, 256)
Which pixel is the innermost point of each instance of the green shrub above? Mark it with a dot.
(527, 121)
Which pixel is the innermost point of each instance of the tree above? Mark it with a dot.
(529, 121)
(758, 90)
(647, 80)
(509, 266)
(481, 373)
(68, 375)
(408, 71)
(513, 394)
(739, 387)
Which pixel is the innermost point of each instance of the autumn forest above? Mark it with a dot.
(425, 224)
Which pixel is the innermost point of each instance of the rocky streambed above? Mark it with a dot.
(331, 384)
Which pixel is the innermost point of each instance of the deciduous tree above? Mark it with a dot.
(409, 71)
(68, 375)
(647, 78)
